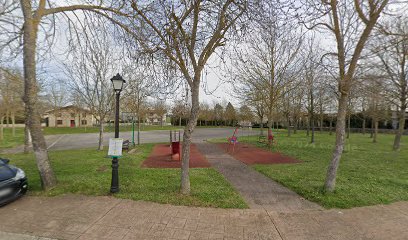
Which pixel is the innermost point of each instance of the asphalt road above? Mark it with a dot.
(89, 140)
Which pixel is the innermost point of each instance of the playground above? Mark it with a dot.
(169, 155)
(161, 157)
(249, 154)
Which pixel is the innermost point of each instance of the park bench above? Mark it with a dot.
(233, 139)
(262, 139)
(126, 145)
(269, 140)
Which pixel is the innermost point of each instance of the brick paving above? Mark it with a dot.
(91, 218)
(257, 190)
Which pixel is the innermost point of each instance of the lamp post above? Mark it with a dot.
(117, 82)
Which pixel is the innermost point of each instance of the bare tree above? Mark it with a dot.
(230, 114)
(11, 85)
(310, 79)
(267, 62)
(187, 33)
(140, 85)
(90, 68)
(350, 23)
(10, 30)
(33, 15)
(160, 109)
(2, 113)
(180, 109)
(392, 51)
(245, 114)
(218, 114)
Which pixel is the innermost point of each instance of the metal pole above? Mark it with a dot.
(115, 161)
(133, 131)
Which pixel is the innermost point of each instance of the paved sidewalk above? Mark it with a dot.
(258, 190)
(18, 236)
(91, 218)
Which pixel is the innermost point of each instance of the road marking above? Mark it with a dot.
(55, 142)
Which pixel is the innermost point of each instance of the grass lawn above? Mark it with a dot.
(9, 141)
(369, 173)
(88, 172)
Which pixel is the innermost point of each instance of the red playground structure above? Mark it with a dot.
(175, 145)
(233, 139)
(270, 137)
(269, 140)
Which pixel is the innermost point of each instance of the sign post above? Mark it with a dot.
(115, 147)
(133, 131)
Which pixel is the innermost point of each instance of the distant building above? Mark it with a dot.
(153, 118)
(394, 119)
(69, 116)
(243, 123)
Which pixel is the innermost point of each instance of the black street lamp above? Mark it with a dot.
(117, 82)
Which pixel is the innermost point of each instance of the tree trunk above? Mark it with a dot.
(138, 130)
(339, 145)
(312, 139)
(138, 121)
(7, 119)
(56, 114)
(372, 128)
(1, 128)
(295, 127)
(401, 127)
(331, 126)
(375, 131)
(100, 141)
(311, 119)
(348, 126)
(364, 123)
(321, 123)
(308, 127)
(48, 179)
(289, 131)
(13, 123)
(188, 130)
(27, 139)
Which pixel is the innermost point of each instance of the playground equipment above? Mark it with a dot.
(233, 139)
(175, 145)
(270, 138)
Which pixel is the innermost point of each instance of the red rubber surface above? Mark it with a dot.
(252, 155)
(161, 158)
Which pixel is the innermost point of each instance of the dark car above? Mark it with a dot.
(13, 182)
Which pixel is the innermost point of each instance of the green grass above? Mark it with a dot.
(88, 172)
(9, 141)
(369, 173)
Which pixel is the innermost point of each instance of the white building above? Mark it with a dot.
(69, 116)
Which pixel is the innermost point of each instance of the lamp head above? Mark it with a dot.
(117, 82)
